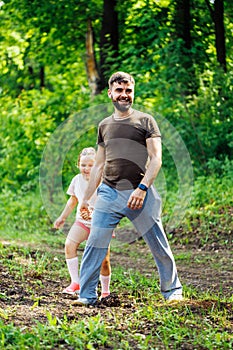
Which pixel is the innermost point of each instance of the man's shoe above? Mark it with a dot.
(73, 288)
(175, 298)
(86, 302)
(112, 300)
(81, 302)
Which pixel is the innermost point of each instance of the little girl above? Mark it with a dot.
(81, 228)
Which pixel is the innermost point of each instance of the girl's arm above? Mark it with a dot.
(70, 205)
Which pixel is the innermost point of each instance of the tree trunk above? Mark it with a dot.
(91, 66)
(182, 22)
(220, 33)
(108, 39)
(42, 77)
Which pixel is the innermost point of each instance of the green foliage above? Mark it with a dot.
(130, 280)
(44, 85)
(27, 124)
(44, 82)
(26, 128)
(208, 217)
(24, 217)
(56, 334)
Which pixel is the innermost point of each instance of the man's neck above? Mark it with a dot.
(122, 115)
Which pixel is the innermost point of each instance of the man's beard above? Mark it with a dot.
(122, 108)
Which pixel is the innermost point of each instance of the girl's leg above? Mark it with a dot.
(72, 259)
(75, 236)
(105, 275)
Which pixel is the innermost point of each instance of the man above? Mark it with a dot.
(127, 163)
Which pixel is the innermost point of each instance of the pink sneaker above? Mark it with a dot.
(104, 295)
(72, 289)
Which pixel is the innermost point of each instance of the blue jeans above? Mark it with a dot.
(110, 208)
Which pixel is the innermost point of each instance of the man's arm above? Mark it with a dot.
(154, 149)
(95, 176)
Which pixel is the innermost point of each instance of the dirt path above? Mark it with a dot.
(206, 270)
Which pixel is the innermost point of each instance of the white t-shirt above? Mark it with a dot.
(77, 188)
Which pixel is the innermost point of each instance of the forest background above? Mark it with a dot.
(55, 59)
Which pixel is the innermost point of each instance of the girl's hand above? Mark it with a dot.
(86, 214)
(85, 210)
(59, 223)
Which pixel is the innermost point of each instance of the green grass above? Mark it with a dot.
(148, 328)
(56, 334)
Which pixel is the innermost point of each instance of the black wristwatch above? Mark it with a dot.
(143, 187)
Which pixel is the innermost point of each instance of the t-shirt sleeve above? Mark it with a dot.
(152, 129)
(70, 190)
(100, 140)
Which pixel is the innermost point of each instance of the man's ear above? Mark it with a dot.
(109, 93)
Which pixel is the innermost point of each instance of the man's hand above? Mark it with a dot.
(136, 199)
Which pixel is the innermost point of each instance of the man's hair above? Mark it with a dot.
(120, 77)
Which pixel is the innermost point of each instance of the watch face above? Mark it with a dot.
(142, 187)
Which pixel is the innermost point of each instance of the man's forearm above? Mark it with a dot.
(152, 171)
(95, 178)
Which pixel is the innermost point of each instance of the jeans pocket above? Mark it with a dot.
(106, 193)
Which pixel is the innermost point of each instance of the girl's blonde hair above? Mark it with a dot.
(88, 151)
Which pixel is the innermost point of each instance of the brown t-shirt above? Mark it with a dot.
(125, 148)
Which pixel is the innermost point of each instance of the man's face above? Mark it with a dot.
(122, 95)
